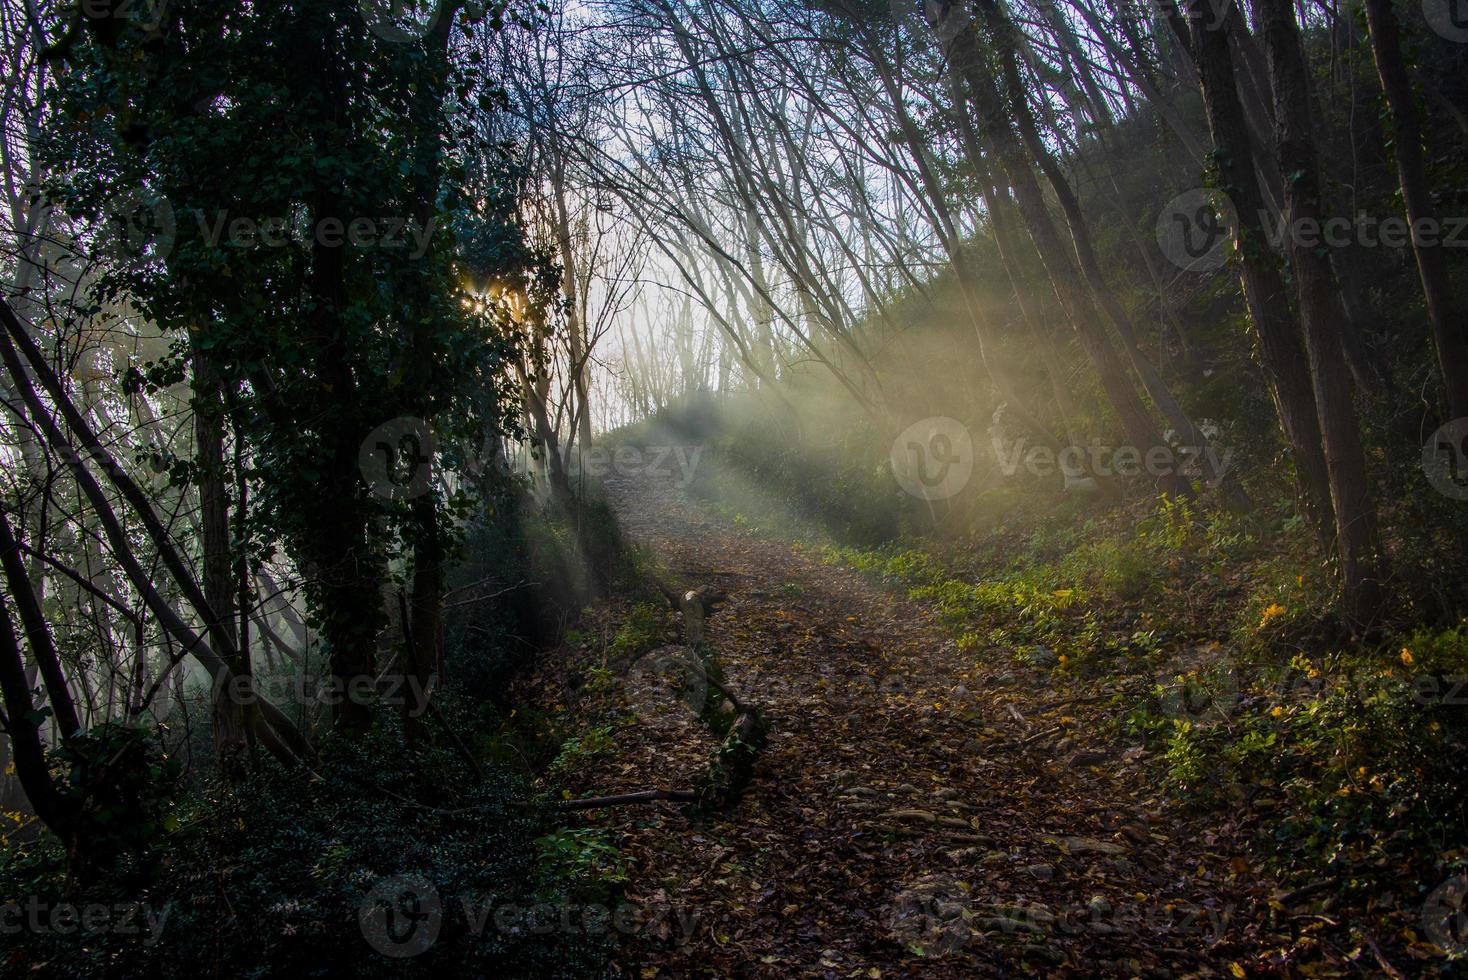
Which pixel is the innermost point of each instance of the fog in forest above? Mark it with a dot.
(736, 488)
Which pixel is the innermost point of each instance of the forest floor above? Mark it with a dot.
(914, 812)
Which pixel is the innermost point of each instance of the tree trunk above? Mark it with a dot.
(27, 750)
(1070, 206)
(1323, 316)
(424, 628)
(1280, 349)
(38, 634)
(961, 46)
(1449, 326)
(218, 560)
(348, 570)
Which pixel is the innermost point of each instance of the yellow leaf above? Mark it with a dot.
(1406, 656)
(1237, 970)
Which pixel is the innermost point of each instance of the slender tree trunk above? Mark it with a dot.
(426, 621)
(961, 46)
(23, 728)
(973, 306)
(218, 559)
(1323, 316)
(1449, 325)
(573, 288)
(38, 634)
(1070, 206)
(1006, 240)
(1280, 348)
(348, 570)
(423, 628)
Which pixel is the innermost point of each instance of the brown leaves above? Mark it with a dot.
(914, 812)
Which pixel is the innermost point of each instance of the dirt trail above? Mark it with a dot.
(909, 799)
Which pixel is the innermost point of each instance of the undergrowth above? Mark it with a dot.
(1348, 753)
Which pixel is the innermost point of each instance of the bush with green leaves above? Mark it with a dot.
(271, 877)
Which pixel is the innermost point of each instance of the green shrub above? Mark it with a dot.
(270, 877)
(1122, 569)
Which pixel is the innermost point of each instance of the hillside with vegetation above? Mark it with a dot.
(821, 488)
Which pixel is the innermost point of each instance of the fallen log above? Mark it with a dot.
(621, 799)
(733, 768)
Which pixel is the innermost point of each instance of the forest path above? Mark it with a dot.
(908, 798)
